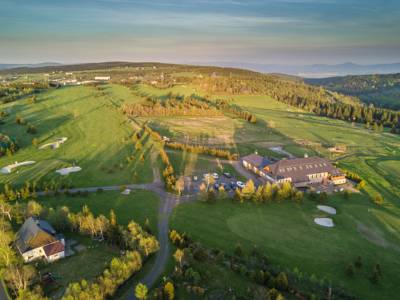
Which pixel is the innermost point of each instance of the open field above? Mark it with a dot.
(287, 234)
(98, 137)
(139, 205)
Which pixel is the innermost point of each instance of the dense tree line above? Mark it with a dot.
(382, 90)
(172, 183)
(262, 194)
(194, 105)
(237, 111)
(298, 94)
(168, 172)
(355, 178)
(345, 111)
(10, 194)
(119, 270)
(14, 91)
(172, 106)
(8, 146)
(221, 153)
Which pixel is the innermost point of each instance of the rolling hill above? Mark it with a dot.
(379, 90)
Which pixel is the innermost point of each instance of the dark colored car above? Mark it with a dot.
(227, 175)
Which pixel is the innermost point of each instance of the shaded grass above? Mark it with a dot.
(88, 265)
(139, 205)
(98, 137)
(286, 232)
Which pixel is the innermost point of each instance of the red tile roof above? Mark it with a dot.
(53, 248)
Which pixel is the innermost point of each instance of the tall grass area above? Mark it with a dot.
(99, 137)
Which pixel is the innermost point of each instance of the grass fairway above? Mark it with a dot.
(139, 205)
(286, 232)
(98, 137)
(366, 150)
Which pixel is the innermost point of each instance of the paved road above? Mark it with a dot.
(168, 202)
(3, 293)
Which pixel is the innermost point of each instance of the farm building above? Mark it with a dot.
(301, 172)
(37, 239)
(102, 78)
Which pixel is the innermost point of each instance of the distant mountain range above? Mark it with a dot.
(315, 71)
(305, 71)
(12, 66)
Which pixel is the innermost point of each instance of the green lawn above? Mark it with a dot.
(365, 149)
(98, 137)
(287, 234)
(88, 265)
(139, 205)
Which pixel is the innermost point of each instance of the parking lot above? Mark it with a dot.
(212, 180)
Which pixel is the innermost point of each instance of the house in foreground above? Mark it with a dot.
(301, 172)
(37, 239)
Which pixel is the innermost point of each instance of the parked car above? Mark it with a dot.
(215, 175)
(227, 175)
(240, 184)
(226, 187)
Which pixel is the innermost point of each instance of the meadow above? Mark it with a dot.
(99, 137)
(286, 233)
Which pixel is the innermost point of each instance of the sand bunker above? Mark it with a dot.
(327, 209)
(126, 192)
(326, 222)
(66, 171)
(8, 169)
(55, 144)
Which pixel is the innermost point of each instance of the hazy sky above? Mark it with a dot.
(269, 31)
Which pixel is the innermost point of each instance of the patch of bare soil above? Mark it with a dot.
(375, 236)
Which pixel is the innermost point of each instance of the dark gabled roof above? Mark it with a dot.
(299, 168)
(34, 233)
(253, 159)
(53, 248)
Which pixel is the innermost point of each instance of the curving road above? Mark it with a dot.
(168, 202)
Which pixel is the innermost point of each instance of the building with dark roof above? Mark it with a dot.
(301, 172)
(38, 239)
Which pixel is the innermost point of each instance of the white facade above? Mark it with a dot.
(102, 78)
(33, 254)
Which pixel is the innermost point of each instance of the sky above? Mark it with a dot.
(292, 32)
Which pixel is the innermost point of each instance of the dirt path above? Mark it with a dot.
(246, 173)
(279, 150)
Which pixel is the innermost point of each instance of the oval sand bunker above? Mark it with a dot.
(8, 169)
(327, 209)
(326, 222)
(66, 171)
